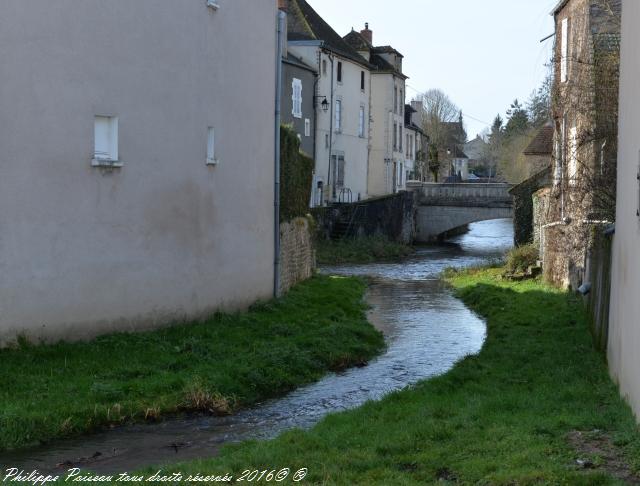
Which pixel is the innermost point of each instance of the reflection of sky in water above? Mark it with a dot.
(427, 332)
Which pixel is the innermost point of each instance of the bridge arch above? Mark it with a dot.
(444, 207)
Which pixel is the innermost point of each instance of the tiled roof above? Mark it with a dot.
(304, 23)
(542, 143)
(359, 43)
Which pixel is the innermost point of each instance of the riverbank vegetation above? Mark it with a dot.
(212, 366)
(360, 250)
(535, 406)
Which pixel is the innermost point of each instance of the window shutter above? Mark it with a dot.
(564, 48)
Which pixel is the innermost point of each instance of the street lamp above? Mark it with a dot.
(324, 104)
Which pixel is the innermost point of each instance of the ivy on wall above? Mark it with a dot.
(296, 176)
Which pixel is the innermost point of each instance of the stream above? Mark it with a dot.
(426, 328)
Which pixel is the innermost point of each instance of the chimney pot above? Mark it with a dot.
(367, 34)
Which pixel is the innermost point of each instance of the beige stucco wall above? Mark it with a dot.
(383, 117)
(85, 250)
(347, 141)
(624, 332)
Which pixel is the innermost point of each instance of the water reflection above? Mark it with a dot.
(426, 328)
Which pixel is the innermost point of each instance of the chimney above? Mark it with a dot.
(367, 34)
(282, 5)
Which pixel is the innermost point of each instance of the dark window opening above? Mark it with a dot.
(339, 72)
(362, 80)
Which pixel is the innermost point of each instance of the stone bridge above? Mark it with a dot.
(445, 207)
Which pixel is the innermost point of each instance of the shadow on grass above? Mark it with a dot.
(504, 416)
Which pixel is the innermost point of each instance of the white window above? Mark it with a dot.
(361, 122)
(307, 127)
(564, 51)
(105, 141)
(211, 146)
(572, 166)
(338, 115)
(296, 97)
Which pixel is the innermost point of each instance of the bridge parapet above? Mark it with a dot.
(469, 194)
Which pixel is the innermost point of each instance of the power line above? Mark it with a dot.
(463, 113)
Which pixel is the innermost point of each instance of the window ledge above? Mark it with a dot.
(106, 163)
(213, 4)
(212, 162)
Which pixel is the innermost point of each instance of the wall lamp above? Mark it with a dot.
(324, 104)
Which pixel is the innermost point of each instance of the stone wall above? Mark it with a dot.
(297, 255)
(390, 216)
(523, 205)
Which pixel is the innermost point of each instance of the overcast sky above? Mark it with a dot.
(483, 54)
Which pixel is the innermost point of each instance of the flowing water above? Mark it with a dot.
(427, 331)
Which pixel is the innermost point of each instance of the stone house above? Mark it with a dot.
(539, 153)
(530, 213)
(341, 100)
(131, 194)
(479, 164)
(387, 173)
(624, 322)
(584, 110)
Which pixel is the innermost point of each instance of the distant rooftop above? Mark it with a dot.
(542, 143)
(304, 23)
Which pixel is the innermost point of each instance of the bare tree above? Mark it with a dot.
(439, 110)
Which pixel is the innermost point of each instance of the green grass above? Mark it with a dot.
(360, 250)
(215, 366)
(502, 417)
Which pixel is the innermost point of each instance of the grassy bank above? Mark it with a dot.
(360, 250)
(213, 366)
(534, 401)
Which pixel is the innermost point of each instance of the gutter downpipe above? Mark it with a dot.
(276, 182)
(331, 117)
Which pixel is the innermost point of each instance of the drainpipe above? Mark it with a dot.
(331, 115)
(276, 182)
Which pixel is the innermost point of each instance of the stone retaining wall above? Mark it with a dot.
(297, 254)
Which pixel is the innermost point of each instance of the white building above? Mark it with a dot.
(387, 172)
(131, 196)
(342, 99)
(624, 324)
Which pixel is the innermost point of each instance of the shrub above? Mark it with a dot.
(521, 258)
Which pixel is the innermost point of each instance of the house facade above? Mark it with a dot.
(624, 323)
(342, 100)
(415, 143)
(129, 199)
(387, 172)
(298, 100)
(584, 110)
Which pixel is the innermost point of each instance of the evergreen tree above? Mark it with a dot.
(539, 104)
(517, 120)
